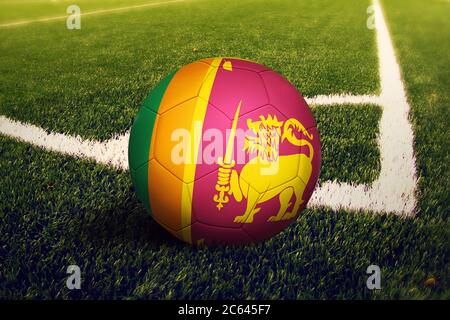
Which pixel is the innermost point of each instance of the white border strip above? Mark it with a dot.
(394, 190)
(113, 152)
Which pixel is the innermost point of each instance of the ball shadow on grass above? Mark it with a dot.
(127, 222)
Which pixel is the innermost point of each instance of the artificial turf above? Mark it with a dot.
(56, 210)
(23, 10)
(350, 151)
(69, 211)
(421, 34)
(76, 81)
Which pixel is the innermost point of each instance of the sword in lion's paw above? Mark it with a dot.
(226, 166)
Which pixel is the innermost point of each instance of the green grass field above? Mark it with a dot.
(56, 210)
(74, 82)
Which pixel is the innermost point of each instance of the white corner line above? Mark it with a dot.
(88, 13)
(393, 191)
(112, 152)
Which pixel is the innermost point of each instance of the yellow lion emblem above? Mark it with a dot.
(260, 180)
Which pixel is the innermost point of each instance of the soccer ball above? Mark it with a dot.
(224, 151)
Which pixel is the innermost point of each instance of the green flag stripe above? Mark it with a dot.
(154, 98)
(141, 137)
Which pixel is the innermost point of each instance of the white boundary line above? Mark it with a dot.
(89, 13)
(113, 152)
(393, 191)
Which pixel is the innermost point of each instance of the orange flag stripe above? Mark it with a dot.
(170, 197)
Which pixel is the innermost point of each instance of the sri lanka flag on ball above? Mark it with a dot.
(224, 151)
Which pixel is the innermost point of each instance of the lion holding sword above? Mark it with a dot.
(267, 181)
